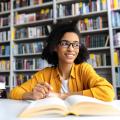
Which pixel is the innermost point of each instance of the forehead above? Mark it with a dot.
(70, 36)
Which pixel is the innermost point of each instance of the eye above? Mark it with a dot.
(64, 43)
(76, 44)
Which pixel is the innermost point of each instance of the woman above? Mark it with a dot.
(70, 73)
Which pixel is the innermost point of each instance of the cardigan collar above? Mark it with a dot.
(72, 74)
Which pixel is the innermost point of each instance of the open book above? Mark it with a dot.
(75, 104)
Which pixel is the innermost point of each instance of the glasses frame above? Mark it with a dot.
(68, 44)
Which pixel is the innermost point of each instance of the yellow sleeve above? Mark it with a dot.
(18, 91)
(98, 86)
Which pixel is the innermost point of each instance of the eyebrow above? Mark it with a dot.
(69, 41)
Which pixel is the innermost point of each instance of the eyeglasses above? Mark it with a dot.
(66, 44)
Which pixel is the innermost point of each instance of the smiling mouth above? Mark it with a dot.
(70, 55)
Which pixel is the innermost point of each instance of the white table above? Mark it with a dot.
(10, 109)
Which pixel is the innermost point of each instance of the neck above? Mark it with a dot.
(64, 70)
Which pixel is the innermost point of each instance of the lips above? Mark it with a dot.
(70, 55)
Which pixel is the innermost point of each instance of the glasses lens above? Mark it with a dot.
(65, 43)
(76, 45)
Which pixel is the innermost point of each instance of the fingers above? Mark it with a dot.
(64, 95)
(48, 86)
(37, 96)
(41, 90)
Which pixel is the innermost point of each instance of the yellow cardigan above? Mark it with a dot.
(82, 78)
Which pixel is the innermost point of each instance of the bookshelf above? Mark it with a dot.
(5, 7)
(29, 21)
(115, 31)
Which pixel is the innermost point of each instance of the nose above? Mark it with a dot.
(70, 47)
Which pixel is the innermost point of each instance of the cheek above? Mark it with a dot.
(60, 51)
(77, 51)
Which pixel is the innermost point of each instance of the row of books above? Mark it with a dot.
(65, 10)
(21, 78)
(117, 74)
(116, 19)
(106, 73)
(28, 48)
(44, 13)
(99, 59)
(4, 21)
(83, 7)
(117, 57)
(115, 4)
(5, 5)
(5, 36)
(93, 23)
(95, 40)
(31, 32)
(92, 6)
(116, 39)
(30, 64)
(24, 3)
(4, 65)
(4, 50)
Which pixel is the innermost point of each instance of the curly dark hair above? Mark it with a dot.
(54, 38)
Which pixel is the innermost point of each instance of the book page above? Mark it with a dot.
(83, 105)
(74, 99)
(48, 101)
(46, 106)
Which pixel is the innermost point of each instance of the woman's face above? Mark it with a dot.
(68, 48)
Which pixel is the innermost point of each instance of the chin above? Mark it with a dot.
(69, 61)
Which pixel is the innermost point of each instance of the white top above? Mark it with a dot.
(64, 86)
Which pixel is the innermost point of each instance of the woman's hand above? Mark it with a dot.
(60, 95)
(64, 95)
(39, 92)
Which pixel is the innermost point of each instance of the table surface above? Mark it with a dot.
(10, 109)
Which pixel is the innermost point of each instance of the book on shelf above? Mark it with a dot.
(4, 65)
(107, 41)
(30, 63)
(4, 50)
(99, 59)
(116, 39)
(116, 58)
(89, 24)
(5, 5)
(24, 3)
(115, 4)
(21, 78)
(115, 18)
(117, 75)
(96, 40)
(23, 18)
(74, 104)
